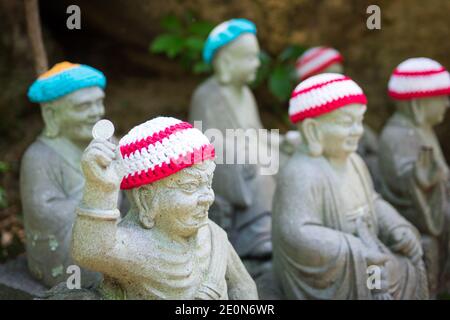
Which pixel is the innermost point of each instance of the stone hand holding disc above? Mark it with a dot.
(103, 129)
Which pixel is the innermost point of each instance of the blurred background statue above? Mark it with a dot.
(414, 170)
(224, 101)
(331, 231)
(51, 182)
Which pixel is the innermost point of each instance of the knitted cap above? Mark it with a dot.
(62, 79)
(159, 148)
(223, 34)
(323, 93)
(315, 60)
(419, 78)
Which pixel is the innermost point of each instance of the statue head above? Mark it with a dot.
(71, 98)
(328, 110)
(233, 50)
(420, 87)
(169, 170)
(319, 60)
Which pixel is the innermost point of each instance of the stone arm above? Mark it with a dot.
(240, 284)
(42, 193)
(96, 236)
(390, 220)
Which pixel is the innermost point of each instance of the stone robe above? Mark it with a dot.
(243, 196)
(140, 263)
(51, 185)
(319, 248)
(428, 210)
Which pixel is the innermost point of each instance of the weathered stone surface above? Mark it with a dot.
(17, 283)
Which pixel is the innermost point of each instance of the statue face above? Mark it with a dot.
(341, 130)
(241, 59)
(184, 199)
(434, 109)
(81, 110)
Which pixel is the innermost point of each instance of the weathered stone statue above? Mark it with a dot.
(51, 182)
(328, 60)
(330, 228)
(165, 247)
(413, 168)
(224, 101)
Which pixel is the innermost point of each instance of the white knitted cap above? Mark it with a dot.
(315, 60)
(159, 148)
(419, 78)
(323, 93)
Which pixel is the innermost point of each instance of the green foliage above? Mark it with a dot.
(4, 167)
(183, 39)
(279, 73)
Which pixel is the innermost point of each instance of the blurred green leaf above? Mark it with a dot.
(171, 23)
(264, 69)
(169, 44)
(292, 52)
(201, 28)
(194, 43)
(3, 199)
(280, 84)
(4, 167)
(201, 67)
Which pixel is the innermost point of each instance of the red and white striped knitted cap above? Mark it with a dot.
(315, 60)
(323, 93)
(159, 148)
(419, 78)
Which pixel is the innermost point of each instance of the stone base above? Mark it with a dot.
(16, 283)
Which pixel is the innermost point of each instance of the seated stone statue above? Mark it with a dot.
(318, 60)
(165, 247)
(51, 182)
(330, 228)
(414, 170)
(224, 101)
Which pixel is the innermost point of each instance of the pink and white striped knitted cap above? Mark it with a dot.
(315, 60)
(159, 148)
(418, 78)
(322, 94)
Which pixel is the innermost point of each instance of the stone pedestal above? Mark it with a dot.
(16, 283)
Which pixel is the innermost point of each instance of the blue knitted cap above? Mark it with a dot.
(223, 34)
(62, 79)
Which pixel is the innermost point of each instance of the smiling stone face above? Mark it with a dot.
(341, 130)
(74, 115)
(182, 200)
(238, 62)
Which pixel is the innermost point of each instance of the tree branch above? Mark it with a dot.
(35, 35)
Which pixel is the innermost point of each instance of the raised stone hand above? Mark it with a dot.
(427, 170)
(406, 243)
(102, 170)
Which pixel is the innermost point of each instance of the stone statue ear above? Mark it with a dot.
(51, 123)
(313, 136)
(417, 112)
(222, 66)
(143, 205)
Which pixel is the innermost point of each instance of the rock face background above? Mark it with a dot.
(115, 36)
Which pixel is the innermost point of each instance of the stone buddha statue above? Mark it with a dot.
(51, 182)
(165, 247)
(413, 168)
(225, 102)
(331, 231)
(318, 60)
